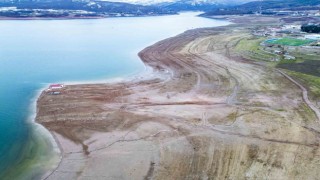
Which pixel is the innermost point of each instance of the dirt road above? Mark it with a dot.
(304, 95)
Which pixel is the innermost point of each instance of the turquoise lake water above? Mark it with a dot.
(36, 53)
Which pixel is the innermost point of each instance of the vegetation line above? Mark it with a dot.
(304, 94)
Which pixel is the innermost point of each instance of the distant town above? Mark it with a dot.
(283, 40)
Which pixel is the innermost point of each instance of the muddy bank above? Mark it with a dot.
(203, 113)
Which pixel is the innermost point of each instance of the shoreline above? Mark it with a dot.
(49, 173)
(184, 113)
(136, 76)
(148, 70)
(77, 18)
(42, 130)
(133, 77)
(47, 18)
(36, 127)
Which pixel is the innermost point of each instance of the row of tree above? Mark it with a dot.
(314, 28)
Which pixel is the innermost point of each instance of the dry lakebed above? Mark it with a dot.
(204, 112)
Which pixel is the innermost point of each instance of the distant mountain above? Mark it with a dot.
(136, 7)
(200, 5)
(276, 4)
(261, 6)
(158, 7)
(190, 5)
(187, 2)
(87, 5)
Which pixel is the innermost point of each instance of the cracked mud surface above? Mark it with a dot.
(204, 113)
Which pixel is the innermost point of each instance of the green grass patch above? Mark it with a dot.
(306, 113)
(289, 41)
(302, 55)
(305, 68)
(309, 81)
(248, 44)
(311, 67)
(250, 48)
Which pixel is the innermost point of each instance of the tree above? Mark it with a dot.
(314, 28)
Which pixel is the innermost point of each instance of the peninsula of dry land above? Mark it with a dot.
(205, 112)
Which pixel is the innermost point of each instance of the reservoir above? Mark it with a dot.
(37, 53)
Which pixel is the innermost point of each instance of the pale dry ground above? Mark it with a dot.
(204, 114)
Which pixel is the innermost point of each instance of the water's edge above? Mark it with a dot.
(147, 70)
(41, 153)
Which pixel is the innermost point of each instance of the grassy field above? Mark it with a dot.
(312, 82)
(250, 48)
(310, 67)
(289, 41)
(306, 67)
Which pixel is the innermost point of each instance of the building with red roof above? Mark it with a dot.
(56, 86)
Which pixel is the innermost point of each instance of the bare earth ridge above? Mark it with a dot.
(203, 113)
